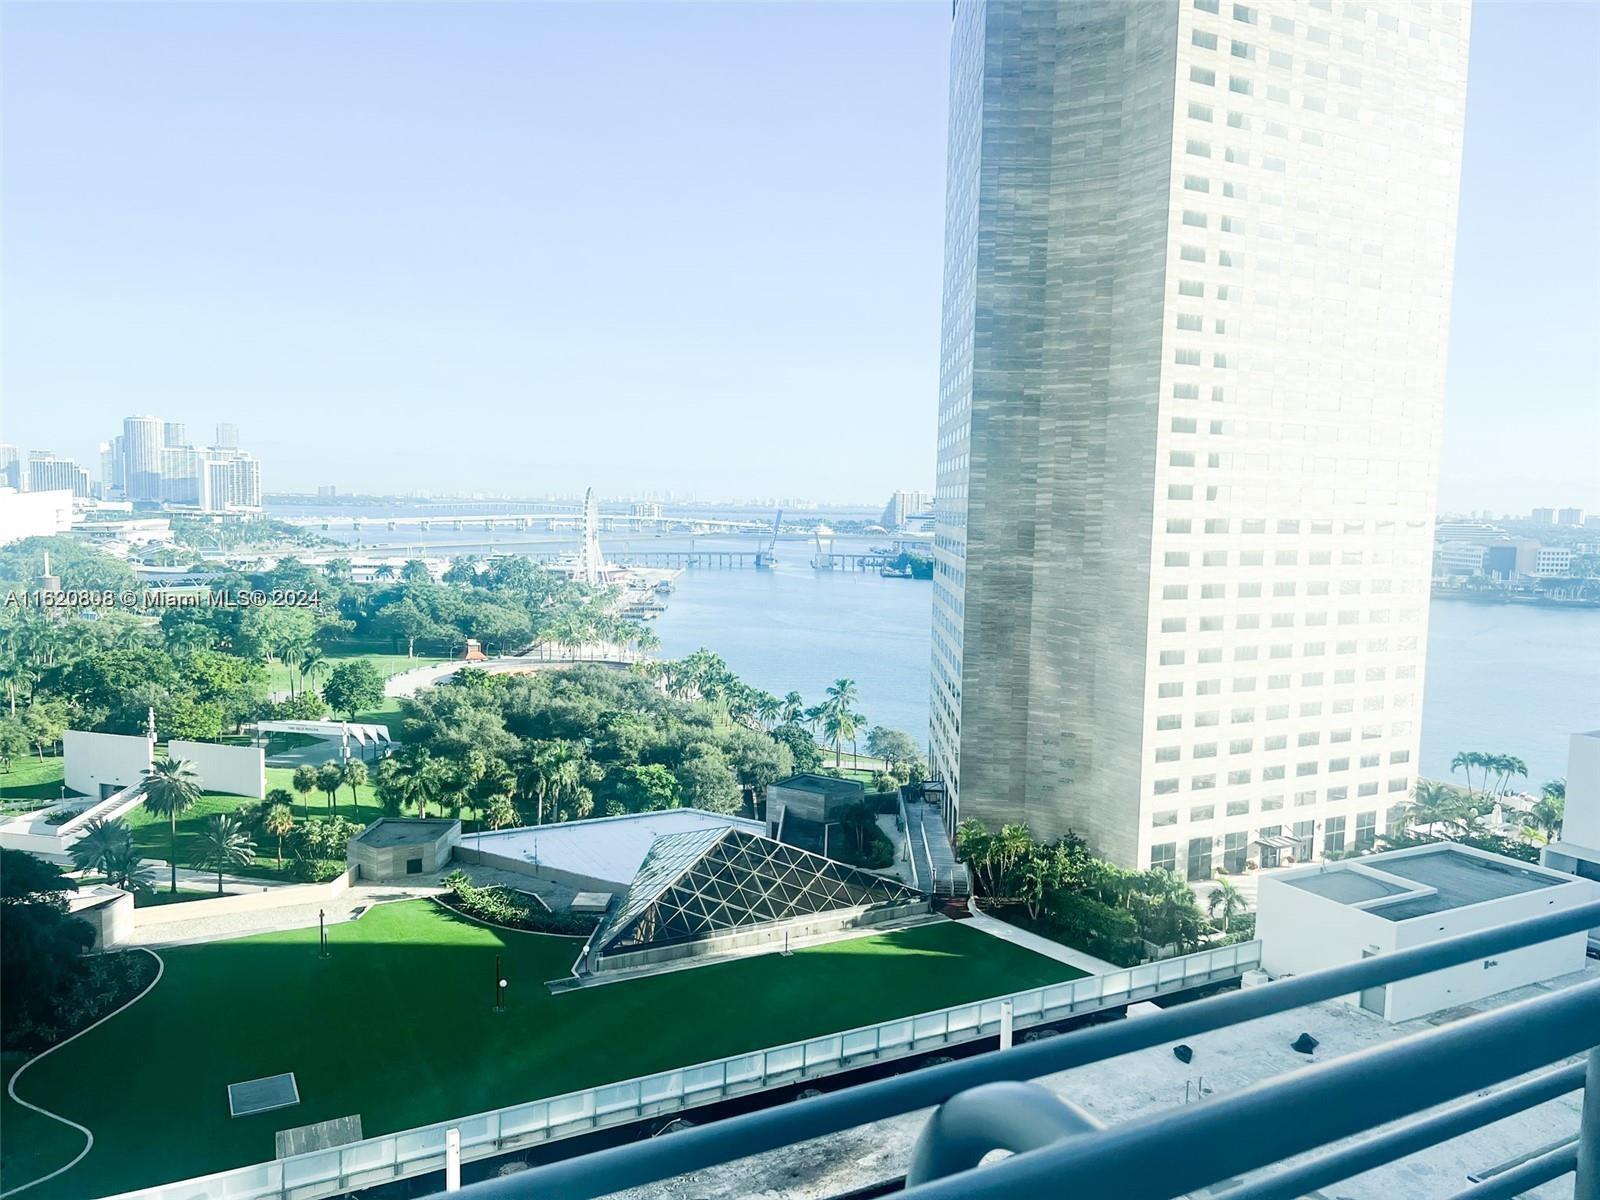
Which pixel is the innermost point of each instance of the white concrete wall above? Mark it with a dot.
(1302, 932)
(33, 514)
(104, 758)
(243, 902)
(237, 770)
(1582, 824)
(1475, 980)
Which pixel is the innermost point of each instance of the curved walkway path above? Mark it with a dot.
(1039, 945)
(88, 1135)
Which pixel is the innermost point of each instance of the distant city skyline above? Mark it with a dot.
(461, 256)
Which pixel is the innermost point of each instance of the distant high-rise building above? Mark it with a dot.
(326, 491)
(904, 505)
(1569, 516)
(1543, 516)
(10, 466)
(47, 473)
(229, 481)
(111, 468)
(227, 436)
(142, 441)
(172, 434)
(181, 468)
(1198, 263)
(246, 481)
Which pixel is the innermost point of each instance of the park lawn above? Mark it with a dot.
(32, 779)
(397, 1025)
(151, 834)
(33, 1144)
(281, 677)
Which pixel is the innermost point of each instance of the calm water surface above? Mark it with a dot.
(1513, 680)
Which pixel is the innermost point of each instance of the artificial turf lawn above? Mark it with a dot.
(31, 1144)
(397, 1025)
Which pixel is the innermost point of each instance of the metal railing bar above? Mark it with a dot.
(621, 1167)
(1350, 1161)
(1509, 1184)
(1293, 1113)
(1588, 1152)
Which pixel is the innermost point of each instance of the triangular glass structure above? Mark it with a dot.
(704, 882)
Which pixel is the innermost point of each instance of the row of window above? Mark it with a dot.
(1200, 857)
(1310, 737)
(1274, 774)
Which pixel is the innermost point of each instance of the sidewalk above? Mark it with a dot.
(1039, 945)
(335, 911)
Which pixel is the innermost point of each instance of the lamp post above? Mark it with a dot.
(322, 933)
(499, 987)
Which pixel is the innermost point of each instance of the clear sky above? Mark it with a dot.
(527, 247)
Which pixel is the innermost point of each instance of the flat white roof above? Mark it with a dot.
(1418, 881)
(609, 848)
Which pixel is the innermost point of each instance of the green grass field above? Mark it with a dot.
(31, 1145)
(280, 675)
(32, 781)
(397, 1025)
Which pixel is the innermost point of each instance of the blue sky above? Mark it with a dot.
(527, 247)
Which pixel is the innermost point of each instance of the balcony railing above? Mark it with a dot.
(1059, 1151)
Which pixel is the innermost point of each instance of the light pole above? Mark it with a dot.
(322, 933)
(499, 987)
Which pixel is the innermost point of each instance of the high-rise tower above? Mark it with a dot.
(1197, 279)
(142, 442)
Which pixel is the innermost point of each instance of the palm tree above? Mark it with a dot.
(99, 842)
(330, 778)
(415, 778)
(1548, 812)
(793, 708)
(169, 789)
(1510, 767)
(312, 663)
(126, 869)
(223, 843)
(499, 812)
(767, 708)
(1012, 845)
(1032, 884)
(305, 782)
(1226, 898)
(278, 821)
(842, 692)
(556, 772)
(354, 775)
(1432, 804)
(840, 725)
(1464, 761)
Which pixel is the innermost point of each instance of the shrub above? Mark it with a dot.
(501, 906)
(877, 853)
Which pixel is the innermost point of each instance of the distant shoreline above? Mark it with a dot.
(1524, 601)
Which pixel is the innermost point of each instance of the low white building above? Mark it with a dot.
(34, 514)
(1331, 914)
(1552, 561)
(1577, 850)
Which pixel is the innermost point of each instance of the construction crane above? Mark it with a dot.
(767, 557)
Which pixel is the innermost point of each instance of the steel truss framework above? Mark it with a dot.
(703, 882)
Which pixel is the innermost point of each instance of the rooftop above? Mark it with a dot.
(609, 848)
(405, 831)
(1412, 883)
(827, 785)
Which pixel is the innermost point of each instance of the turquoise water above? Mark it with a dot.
(1504, 680)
